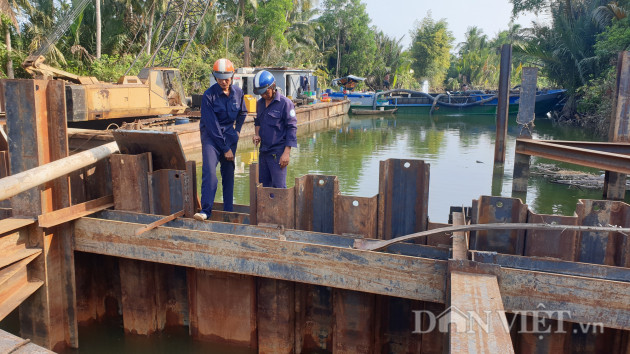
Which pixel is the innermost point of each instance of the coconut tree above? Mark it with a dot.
(8, 19)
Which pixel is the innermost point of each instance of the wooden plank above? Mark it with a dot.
(215, 316)
(14, 223)
(165, 148)
(460, 239)
(408, 277)
(9, 343)
(356, 215)
(476, 294)
(130, 181)
(74, 212)
(160, 222)
(276, 206)
(403, 197)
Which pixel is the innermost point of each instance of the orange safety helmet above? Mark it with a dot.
(223, 69)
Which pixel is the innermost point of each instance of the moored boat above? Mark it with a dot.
(360, 111)
(472, 102)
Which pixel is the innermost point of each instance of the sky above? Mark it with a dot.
(397, 17)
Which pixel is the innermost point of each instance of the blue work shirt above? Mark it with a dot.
(278, 124)
(218, 114)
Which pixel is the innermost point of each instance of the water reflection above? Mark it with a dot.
(460, 150)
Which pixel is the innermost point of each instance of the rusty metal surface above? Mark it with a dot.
(98, 288)
(253, 194)
(403, 197)
(138, 289)
(165, 148)
(276, 206)
(354, 315)
(223, 307)
(552, 266)
(314, 319)
(314, 202)
(276, 316)
(356, 215)
(130, 181)
(167, 191)
(601, 247)
(620, 126)
(479, 294)
(498, 210)
(556, 244)
(394, 322)
(275, 233)
(408, 277)
(578, 156)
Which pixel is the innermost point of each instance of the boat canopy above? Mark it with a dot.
(347, 82)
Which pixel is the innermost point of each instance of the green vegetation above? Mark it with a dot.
(576, 49)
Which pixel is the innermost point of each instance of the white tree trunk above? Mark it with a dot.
(9, 60)
(98, 28)
(150, 30)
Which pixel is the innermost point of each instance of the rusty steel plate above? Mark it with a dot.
(164, 147)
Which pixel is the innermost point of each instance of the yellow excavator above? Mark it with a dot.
(156, 90)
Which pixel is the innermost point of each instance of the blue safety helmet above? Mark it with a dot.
(262, 81)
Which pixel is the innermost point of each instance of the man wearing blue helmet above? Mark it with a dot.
(276, 129)
(223, 112)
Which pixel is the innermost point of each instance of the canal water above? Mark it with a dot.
(459, 149)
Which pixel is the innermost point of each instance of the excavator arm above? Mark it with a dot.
(35, 66)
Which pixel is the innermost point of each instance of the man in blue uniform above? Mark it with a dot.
(276, 128)
(223, 112)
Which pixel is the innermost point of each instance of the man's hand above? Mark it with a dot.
(284, 159)
(229, 155)
(256, 139)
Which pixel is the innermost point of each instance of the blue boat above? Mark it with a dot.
(470, 102)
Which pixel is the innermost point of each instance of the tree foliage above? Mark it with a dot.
(431, 50)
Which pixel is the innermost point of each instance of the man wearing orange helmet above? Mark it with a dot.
(223, 112)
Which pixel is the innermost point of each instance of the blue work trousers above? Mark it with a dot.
(209, 181)
(269, 172)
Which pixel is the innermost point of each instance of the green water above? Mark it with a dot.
(460, 150)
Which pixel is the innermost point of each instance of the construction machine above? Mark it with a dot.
(156, 90)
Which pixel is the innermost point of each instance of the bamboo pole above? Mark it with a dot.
(20, 182)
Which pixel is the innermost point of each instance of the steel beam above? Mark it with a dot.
(345, 268)
(579, 156)
(476, 295)
(341, 267)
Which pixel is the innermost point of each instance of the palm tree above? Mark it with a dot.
(7, 10)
